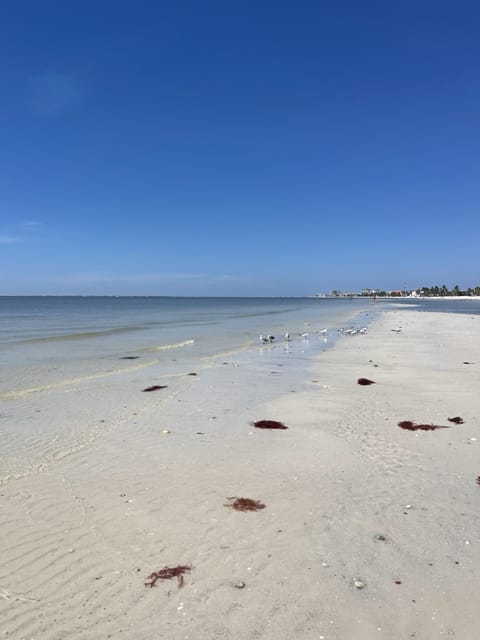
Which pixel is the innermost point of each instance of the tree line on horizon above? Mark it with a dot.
(432, 291)
(444, 291)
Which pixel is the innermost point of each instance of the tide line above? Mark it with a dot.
(166, 347)
(20, 393)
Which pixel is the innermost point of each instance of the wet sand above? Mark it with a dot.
(366, 529)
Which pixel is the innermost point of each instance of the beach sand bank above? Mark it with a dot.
(369, 530)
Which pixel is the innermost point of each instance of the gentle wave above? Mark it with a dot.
(54, 457)
(174, 345)
(255, 314)
(83, 335)
(19, 393)
(244, 346)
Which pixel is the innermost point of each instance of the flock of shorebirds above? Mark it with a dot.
(351, 331)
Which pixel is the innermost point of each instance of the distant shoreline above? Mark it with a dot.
(357, 297)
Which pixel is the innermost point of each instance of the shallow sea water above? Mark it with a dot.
(45, 339)
(74, 368)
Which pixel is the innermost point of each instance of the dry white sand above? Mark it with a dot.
(349, 497)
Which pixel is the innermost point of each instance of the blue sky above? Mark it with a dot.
(238, 148)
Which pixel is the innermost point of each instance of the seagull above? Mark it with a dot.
(397, 330)
(287, 336)
(263, 339)
(324, 330)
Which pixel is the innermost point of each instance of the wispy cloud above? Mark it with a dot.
(10, 239)
(110, 278)
(20, 232)
(31, 223)
(54, 93)
(231, 278)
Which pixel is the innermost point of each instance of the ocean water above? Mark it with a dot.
(50, 340)
(44, 338)
(73, 368)
(441, 305)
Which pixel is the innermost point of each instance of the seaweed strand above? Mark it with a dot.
(244, 504)
(167, 573)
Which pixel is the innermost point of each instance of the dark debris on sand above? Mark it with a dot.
(269, 424)
(167, 573)
(244, 504)
(156, 387)
(411, 426)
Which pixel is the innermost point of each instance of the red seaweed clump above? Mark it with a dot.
(411, 426)
(244, 504)
(156, 387)
(269, 424)
(365, 381)
(456, 420)
(167, 573)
